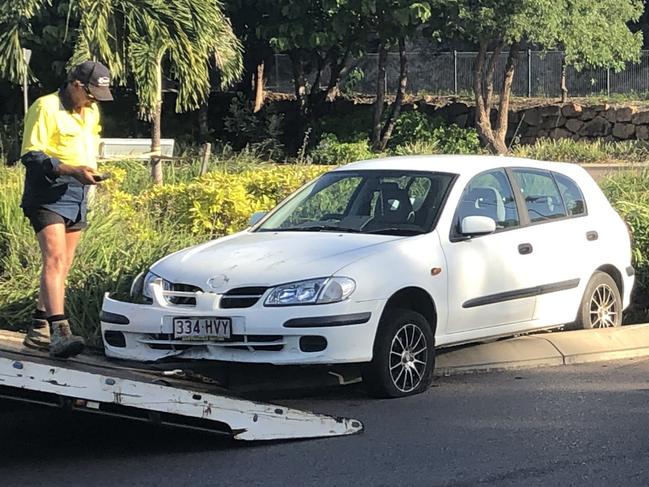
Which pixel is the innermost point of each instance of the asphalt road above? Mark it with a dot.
(572, 425)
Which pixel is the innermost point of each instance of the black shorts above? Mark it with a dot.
(41, 217)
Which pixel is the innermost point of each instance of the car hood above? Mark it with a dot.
(267, 258)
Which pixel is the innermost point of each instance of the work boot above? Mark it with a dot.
(38, 334)
(63, 343)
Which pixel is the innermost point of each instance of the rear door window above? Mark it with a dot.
(541, 193)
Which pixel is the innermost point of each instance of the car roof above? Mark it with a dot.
(456, 164)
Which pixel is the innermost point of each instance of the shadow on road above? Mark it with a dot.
(49, 434)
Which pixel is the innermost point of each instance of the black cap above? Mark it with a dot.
(96, 77)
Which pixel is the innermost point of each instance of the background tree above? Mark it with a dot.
(597, 35)
(318, 37)
(143, 38)
(139, 39)
(248, 17)
(391, 22)
(498, 25)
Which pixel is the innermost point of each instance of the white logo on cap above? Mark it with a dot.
(103, 81)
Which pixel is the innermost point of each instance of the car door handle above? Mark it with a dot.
(525, 248)
(592, 235)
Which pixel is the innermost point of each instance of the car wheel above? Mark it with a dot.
(404, 355)
(601, 306)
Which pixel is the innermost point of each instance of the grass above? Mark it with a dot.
(598, 151)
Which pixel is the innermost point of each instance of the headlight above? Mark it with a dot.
(312, 291)
(148, 279)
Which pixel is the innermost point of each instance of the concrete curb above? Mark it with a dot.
(547, 349)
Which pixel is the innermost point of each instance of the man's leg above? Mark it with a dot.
(57, 258)
(71, 242)
(51, 239)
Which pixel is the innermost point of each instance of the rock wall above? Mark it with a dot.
(569, 120)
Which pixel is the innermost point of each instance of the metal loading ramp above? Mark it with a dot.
(93, 384)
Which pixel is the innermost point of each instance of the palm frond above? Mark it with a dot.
(15, 18)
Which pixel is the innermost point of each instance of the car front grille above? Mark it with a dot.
(183, 300)
(242, 297)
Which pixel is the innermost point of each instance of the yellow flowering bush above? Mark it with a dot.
(216, 204)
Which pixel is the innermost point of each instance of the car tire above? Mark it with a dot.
(404, 355)
(601, 305)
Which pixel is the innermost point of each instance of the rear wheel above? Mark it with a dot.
(404, 355)
(601, 306)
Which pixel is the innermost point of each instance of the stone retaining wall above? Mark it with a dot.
(569, 120)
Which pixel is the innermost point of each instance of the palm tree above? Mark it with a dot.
(141, 39)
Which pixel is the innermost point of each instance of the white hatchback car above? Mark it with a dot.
(382, 261)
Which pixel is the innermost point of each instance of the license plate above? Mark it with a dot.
(203, 328)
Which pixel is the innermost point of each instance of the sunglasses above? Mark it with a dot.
(88, 94)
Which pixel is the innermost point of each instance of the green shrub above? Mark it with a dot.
(416, 133)
(584, 151)
(419, 147)
(629, 195)
(413, 126)
(261, 131)
(331, 151)
(350, 127)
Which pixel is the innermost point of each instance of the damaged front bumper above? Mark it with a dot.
(317, 334)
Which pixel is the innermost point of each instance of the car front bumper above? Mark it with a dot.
(274, 335)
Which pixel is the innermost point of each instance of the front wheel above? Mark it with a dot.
(601, 306)
(404, 355)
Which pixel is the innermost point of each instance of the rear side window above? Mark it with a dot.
(572, 195)
(542, 197)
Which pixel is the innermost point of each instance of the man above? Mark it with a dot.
(59, 151)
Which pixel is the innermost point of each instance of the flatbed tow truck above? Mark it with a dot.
(93, 384)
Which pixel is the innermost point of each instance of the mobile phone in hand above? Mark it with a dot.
(100, 177)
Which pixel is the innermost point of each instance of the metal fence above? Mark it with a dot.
(538, 73)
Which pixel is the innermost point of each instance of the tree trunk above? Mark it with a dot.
(318, 97)
(203, 124)
(337, 69)
(500, 146)
(564, 87)
(259, 81)
(482, 122)
(156, 163)
(483, 92)
(299, 81)
(380, 97)
(395, 110)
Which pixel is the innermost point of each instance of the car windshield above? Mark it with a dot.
(380, 202)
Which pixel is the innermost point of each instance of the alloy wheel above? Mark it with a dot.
(408, 357)
(604, 308)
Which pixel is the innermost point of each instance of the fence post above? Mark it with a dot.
(455, 72)
(529, 73)
(205, 159)
(608, 81)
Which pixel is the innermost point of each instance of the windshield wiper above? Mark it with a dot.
(396, 230)
(316, 228)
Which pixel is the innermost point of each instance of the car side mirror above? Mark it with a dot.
(256, 217)
(477, 225)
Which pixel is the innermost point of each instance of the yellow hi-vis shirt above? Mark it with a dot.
(59, 133)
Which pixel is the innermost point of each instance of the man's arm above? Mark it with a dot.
(39, 126)
(41, 167)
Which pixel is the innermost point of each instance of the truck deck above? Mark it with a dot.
(93, 384)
